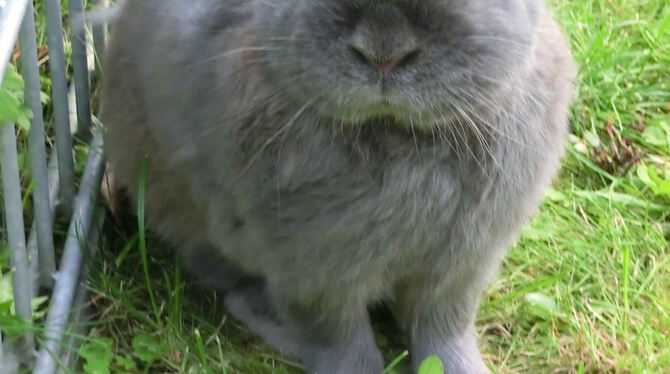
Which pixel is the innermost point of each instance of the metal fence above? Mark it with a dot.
(35, 266)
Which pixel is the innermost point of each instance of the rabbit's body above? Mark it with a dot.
(333, 206)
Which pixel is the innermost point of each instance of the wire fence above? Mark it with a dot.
(34, 264)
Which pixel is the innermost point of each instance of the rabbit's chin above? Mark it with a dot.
(390, 114)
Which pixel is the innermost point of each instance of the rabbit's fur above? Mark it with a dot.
(313, 157)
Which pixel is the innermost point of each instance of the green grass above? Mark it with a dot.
(598, 250)
(587, 289)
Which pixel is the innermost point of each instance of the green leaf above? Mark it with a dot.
(655, 135)
(554, 195)
(126, 363)
(665, 125)
(13, 326)
(44, 98)
(7, 298)
(542, 306)
(653, 174)
(9, 107)
(6, 307)
(147, 348)
(663, 188)
(536, 233)
(431, 365)
(35, 305)
(12, 82)
(643, 174)
(98, 355)
(6, 290)
(25, 115)
(592, 138)
(12, 109)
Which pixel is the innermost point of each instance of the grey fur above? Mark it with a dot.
(316, 157)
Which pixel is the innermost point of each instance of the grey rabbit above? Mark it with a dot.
(312, 158)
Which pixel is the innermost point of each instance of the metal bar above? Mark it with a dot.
(81, 312)
(54, 175)
(8, 359)
(60, 104)
(10, 19)
(80, 65)
(33, 255)
(11, 185)
(70, 266)
(38, 162)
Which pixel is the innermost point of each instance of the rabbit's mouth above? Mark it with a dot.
(363, 111)
(399, 112)
(385, 108)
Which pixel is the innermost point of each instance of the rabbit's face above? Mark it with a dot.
(419, 61)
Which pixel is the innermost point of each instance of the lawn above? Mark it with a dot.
(587, 289)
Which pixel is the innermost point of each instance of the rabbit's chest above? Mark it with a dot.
(373, 190)
(364, 208)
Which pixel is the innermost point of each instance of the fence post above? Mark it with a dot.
(10, 19)
(38, 161)
(71, 261)
(17, 18)
(11, 186)
(80, 65)
(60, 104)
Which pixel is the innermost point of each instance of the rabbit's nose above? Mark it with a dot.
(384, 40)
(385, 61)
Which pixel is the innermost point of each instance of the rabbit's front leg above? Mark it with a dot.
(440, 322)
(328, 339)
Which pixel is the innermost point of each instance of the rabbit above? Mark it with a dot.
(311, 159)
